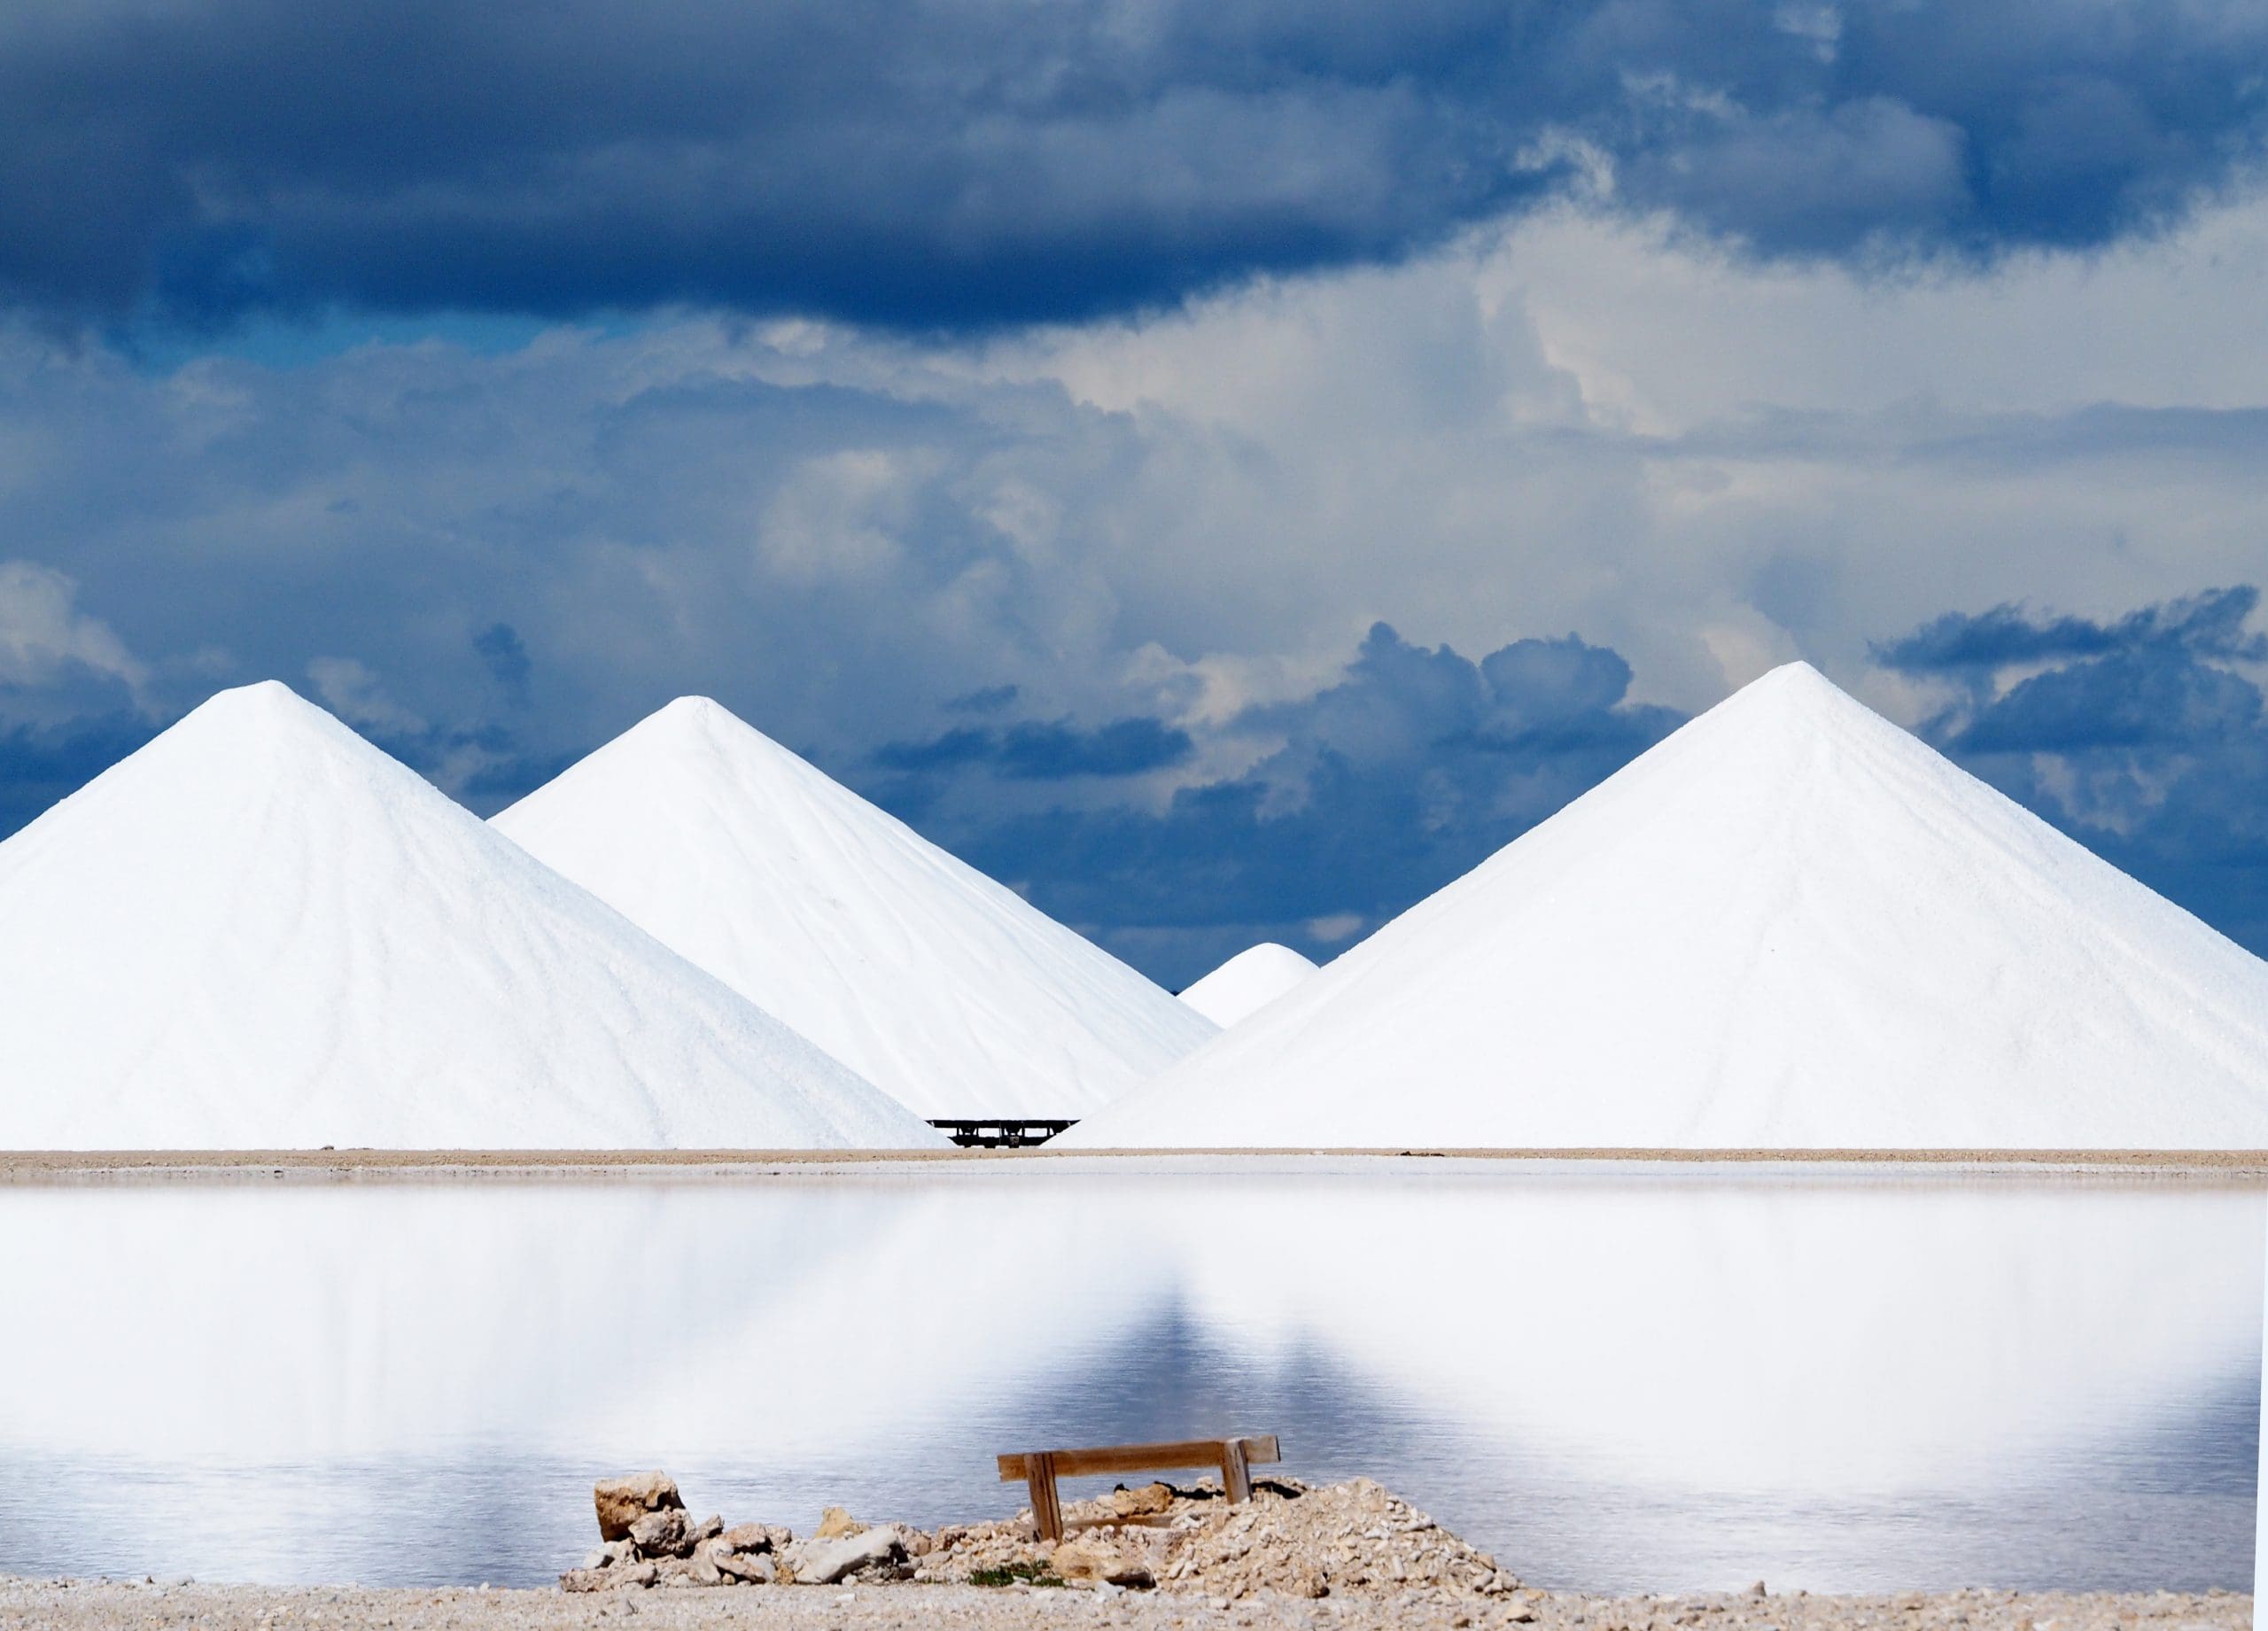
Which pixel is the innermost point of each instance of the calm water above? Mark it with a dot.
(1614, 1380)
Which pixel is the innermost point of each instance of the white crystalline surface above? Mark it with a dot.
(944, 987)
(1247, 982)
(1791, 925)
(261, 932)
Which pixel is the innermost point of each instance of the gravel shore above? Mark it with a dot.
(35, 1164)
(109, 1606)
(77, 1167)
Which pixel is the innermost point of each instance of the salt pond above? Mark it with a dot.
(1615, 1378)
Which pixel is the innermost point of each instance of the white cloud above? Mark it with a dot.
(1561, 425)
(840, 516)
(1576, 424)
(1338, 926)
(43, 634)
(351, 690)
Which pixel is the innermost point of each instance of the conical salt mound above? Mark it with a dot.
(941, 986)
(1247, 982)
(1791, 926)
(261, 932)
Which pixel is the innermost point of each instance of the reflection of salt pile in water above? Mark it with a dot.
(457, 1314)
(943, 986)
(1247, 982)
(1823, 1333)
(1844, 1336)
(1791, 925)
(261, 932)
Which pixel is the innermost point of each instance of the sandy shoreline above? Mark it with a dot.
(104, 1606)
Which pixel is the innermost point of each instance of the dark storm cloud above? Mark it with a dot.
(2135, 734)
(2208, 624)
(500, 647)
(41, 765)
(995, 161)
(987, 699)
(949, 751)
(850, 548)
(2160, 697)
(1416, 766)
(1048, 751)
(484, 766)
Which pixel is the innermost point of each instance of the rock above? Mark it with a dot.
(1339, 1541)
(750, 1568)
(1088, 1558)
(621, 1502)
(823, 1561)
(661, 1534)
(1146, 1502)
(685, 1573)
(1756, 1590)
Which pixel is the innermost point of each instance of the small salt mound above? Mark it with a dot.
(261, 932)
(1247, 982)
(948, 989)
(1791, 925)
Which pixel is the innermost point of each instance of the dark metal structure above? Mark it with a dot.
(998, 1134)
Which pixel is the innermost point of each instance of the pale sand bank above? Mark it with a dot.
(79, 1166)
(96, 1607)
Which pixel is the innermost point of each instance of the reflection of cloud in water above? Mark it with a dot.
(1678, 1379)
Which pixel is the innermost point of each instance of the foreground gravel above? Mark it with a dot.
(104, 1606)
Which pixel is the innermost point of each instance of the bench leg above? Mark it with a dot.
(1236, 1475)
(1039, 1479)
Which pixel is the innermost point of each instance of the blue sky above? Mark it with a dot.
(1223, 468)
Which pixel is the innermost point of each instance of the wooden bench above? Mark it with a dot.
(1039, 1469)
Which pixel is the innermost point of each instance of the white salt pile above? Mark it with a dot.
(1247, 982)
(944, 987)
(261, 932)
(1791, 925)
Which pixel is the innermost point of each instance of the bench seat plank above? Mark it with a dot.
(1039, 1469)
(1144, 1457)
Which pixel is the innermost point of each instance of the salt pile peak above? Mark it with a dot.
(1247, 982)
(1791, 925)
(261, 932)
(946, 988)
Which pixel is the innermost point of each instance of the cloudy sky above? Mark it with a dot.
(1223, 468)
